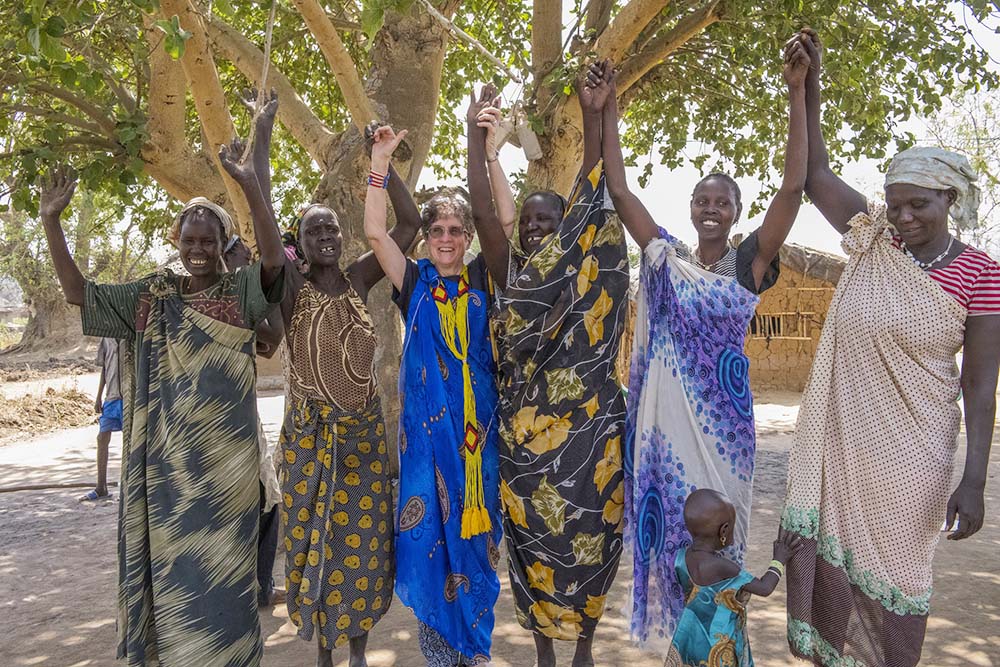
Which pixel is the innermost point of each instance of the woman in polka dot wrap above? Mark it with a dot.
(871, 470)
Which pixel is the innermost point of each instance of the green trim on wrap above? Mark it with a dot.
(806, 641)
(806, 524)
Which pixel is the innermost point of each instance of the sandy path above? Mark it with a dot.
(57, 573)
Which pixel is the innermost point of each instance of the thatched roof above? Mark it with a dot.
(813, 263)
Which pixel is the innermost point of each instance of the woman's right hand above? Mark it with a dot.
(384, 142)
(488, 97)
(56, 192)
(231, 158)
(489, 119)
(814, 49)
(786, 545)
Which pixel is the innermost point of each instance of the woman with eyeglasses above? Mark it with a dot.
(448, 526)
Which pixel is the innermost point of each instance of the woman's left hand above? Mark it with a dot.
(384, 142)
(967, 505)
(797, 64)
(231, 158)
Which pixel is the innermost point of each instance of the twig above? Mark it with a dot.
(469, 39)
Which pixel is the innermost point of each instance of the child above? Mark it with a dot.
(110, 410)
(712, 628)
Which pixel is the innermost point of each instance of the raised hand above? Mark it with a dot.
(231, 157)
(797, 63)
(265, 121)
(488, 97)
(56, 191)
(596, 86)
(489, 119)
(384, 142)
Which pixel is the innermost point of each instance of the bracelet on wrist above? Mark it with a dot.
(377, 180)
(492, 159)
(777, 566)
(776, 572)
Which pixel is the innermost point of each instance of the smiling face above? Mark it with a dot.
(447, 242)
(714, 209)
(320, 238)
(540, 215)
(200, 242)
(920, 215)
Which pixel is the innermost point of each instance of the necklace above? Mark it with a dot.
(927, 265)
(710, 267)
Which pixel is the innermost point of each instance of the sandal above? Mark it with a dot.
(92, 495)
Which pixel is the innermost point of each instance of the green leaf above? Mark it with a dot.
(372, 18)
(55, 26)
(51, 48)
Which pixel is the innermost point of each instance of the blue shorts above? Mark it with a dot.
(111, 416)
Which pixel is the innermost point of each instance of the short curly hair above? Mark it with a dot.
(446, 206)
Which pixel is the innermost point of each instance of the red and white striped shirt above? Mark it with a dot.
(972, 278)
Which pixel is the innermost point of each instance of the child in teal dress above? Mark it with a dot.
(712, 630)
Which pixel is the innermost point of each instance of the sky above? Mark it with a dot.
(810, 229)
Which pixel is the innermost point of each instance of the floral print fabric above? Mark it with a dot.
(690, 424)
(564, 419)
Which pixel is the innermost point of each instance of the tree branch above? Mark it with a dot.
(546, 36)
(340, 61)
(659, 48)
(626, 27)
(598, 17)
(51, 115)
(470, 40)
(166, 116)
(297, 117)
(210, 100)
(125, 98)
(88, 108)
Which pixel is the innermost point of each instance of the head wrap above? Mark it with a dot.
(227, 222)
(938, 169)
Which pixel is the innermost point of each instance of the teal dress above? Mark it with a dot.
(712, 630)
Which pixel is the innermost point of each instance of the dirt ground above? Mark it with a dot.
(57, 570)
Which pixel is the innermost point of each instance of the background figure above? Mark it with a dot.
(269, 336)
(870, 472)
(110, 409)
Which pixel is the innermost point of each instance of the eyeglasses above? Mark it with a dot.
(439, 232)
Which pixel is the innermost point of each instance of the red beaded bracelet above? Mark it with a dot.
(377, 180)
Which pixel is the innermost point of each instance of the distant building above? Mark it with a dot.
(784, 334)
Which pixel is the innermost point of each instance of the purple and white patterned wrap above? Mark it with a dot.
(690, 424)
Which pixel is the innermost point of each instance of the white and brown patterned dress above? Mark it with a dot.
(336, 507)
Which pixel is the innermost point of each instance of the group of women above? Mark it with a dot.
(513, 426)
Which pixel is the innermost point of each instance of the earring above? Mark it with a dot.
(723, 540)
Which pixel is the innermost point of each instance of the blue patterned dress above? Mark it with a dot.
(448, 581)
(690, 419)
(712, 630)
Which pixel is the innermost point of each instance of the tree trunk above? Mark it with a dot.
(562, 149)
(410, 49)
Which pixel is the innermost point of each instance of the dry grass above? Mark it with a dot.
(55, 409)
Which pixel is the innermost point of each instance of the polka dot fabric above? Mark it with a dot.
(870, 472)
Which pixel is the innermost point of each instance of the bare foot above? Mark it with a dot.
(545, 651)
(358, 645)
(277, 597)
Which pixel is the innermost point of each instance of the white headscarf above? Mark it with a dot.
(938, 169)
(220, 213)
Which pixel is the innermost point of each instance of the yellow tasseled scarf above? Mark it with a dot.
(454, 314)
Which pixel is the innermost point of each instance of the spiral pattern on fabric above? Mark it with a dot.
(732, 372)
(650, 527)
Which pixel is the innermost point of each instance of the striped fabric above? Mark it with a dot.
(972, 279)
(189, 488)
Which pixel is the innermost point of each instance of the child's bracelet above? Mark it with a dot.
(377, 180)
(778, 567)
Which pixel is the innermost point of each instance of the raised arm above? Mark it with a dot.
(263, 129)
(56, 193)
(785, 205)
(593, 103)
(503, 197)
(492, 238)
(980, 361)
(633, 214)
(836, 200)
(272, 254)
(405, 230)
(387, 252)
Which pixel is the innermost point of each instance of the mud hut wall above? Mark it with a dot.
(782, 362)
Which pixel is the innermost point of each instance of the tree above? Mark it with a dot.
(143, 92)
(970, 124)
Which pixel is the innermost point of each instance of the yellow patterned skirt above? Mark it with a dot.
(336, 514)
